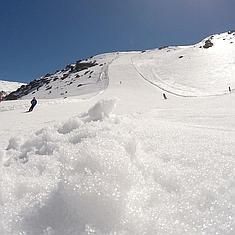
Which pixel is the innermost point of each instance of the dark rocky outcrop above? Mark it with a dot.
(26, 89)
(48, 88)
(49, 78)
(163, 47)
(231, 31)
(65, 75)
(79, 66)
(208, 44)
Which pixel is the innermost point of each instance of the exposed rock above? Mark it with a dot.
(163, 47)
(65, 76)
(48, 88)
(231, 31)
(79, 66)
(208, 44)
(48, 75)
(26, 89)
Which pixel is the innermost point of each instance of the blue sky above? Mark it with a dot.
(41, 36)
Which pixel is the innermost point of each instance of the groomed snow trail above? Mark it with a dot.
(191, 71)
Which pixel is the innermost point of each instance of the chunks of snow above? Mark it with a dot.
(14, 143)
(100, 110)
(100, 175)
(70, 125)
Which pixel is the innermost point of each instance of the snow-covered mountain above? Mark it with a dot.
(204, 69)
(7, 87)
(115, 157)
(80, 78)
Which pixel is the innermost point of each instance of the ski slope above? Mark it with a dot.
(191, 70)
(119, 158)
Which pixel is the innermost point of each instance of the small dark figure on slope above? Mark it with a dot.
(33, 104)
(164, 95)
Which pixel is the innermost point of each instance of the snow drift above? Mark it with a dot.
(107, 174)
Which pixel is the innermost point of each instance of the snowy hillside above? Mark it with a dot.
(8, 87)
(204, 69)
(115, 157)
(81, 78)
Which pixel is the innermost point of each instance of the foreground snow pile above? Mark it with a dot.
(103, 174)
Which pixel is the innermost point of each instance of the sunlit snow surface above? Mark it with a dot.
(106, 174)
(191, 70)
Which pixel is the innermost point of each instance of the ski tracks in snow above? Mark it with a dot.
(158, 82)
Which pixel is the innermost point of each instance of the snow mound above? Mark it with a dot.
(117, 175)
(100, 110)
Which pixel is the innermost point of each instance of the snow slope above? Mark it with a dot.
(83, 78)
(8, 87)
(204, 69)
(192, 70)
(124, 160)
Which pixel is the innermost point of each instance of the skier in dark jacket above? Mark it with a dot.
(164, 96)
(33, 104)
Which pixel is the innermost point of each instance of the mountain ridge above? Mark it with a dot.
(159, 66)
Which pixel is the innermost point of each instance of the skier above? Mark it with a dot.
(229, 88)
(164, 96)
(33, 104)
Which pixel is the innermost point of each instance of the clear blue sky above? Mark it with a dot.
(41, 36)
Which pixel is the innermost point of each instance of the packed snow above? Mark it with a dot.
(122, 159)
(191, 70)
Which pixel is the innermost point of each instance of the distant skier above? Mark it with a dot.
(229, 88)
(33, 104)
(164, 96)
